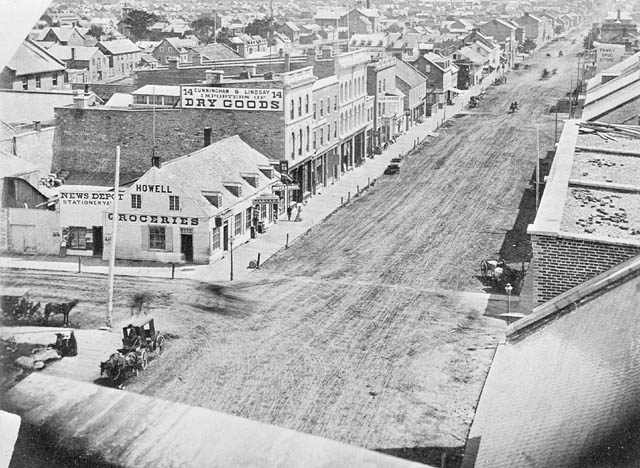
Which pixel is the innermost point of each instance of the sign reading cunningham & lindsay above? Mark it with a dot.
(199, 97)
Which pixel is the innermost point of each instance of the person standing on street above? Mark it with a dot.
(289, 210)
(298, 214)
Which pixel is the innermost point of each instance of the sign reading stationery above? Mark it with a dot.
(199, 97)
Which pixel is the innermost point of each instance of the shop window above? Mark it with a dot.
(38, 82)
(77, 238)
(136, 200)
(215, 239)
(237, 224)
(174, 203)
(55, 79)
(25, 83)
(157, 238)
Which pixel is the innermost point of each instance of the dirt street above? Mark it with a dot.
(342, 335)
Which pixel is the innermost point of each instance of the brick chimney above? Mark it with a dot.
(327, 52)
(37, 125)
(214, 76)
(253, 70)
(80, 100)
(287, 62)
(73, 54)
(156, 161)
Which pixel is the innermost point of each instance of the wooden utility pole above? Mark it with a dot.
(112, 253)
(537, 167)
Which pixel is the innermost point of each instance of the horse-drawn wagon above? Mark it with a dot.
(140, 341)
(498, 274)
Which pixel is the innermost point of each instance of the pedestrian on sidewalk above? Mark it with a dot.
(298, 214)
(289, 210)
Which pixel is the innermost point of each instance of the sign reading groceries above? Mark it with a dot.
(203, 97)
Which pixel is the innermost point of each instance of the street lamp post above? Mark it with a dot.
(508, 288)
(231, 256)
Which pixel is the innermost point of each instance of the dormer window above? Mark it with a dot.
(234, 187)
(252, 179)
(215, 198)
(268, 171)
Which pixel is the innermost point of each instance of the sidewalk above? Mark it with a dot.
(317, 208)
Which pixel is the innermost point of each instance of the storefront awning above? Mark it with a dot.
(455, 90)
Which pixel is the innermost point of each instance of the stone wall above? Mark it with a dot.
(85, 139)
(563, 263)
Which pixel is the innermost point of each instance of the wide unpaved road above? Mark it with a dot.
(342, 335)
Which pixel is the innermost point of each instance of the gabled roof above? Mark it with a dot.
(80, 53)
(210, 168)
(409, 75)
(63, 34)
(30, 58)
(179, 44)
(334, 14)
(472, 55)
(563, 390)
(119, 46)
(217, 51)
(291, 25)
(13, 166)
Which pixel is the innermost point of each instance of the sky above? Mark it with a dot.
(16, 20)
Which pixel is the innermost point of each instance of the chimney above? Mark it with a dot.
(244, 75)
(618, 18)
(213, 76)
(287, 62)
(253, 70)
(268, 75)
(207, 136)
(80, 101)
(311, 54)
(86, 89)
(327, 52)
(173, 63)
(73, 54)
(156, 161)
(37, 125)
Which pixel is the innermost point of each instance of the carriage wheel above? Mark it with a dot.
(484, 269)
(144, 359)
(160, 344)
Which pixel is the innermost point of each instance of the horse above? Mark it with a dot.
(63, 308)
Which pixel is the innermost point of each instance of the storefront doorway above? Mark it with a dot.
(225, 236)
(97, 241)
(186, 244)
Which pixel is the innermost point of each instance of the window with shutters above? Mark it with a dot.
(174, 203)
(237, 223)
(136, 200)
(215, 238)
(157, 237)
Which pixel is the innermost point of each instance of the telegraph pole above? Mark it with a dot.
(112, 253)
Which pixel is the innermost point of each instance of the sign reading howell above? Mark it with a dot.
(198, 97)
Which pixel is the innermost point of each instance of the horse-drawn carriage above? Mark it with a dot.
(499, 274)
(140, 340)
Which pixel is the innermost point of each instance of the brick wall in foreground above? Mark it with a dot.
(562, 263)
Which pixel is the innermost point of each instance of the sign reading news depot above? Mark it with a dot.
(198, 97)
(84, 207)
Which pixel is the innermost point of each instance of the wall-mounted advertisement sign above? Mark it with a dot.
(249, 99)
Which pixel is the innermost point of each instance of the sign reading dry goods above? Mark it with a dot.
(199, 97)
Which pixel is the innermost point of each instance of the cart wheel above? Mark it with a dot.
(144, 359)
(160, 344)
(484, 268)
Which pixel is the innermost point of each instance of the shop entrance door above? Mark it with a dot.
(97, 241)
(186, 244)
(225, 236)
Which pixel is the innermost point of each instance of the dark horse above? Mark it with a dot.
(63, 308)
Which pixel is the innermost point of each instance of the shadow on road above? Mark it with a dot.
(444, 457)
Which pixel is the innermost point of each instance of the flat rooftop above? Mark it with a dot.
(593, 190)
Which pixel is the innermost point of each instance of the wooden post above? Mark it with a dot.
(348, 197)
(79, 264)
(173, 270)
(358, 189)
(341, 201)
(286, 246)
(258, 262)
(112, 253)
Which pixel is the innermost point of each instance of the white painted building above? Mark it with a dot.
(192, 208)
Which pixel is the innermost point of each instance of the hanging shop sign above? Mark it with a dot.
(249, 99)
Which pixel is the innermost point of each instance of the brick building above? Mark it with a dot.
(587, 221)
(381, 79)
(413, 85)
(442, 79)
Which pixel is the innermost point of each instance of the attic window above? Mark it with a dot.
(251, 178)
(234, 187)
(267, 171)
(215, 198)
